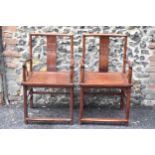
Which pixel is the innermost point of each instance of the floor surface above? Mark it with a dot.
(11, 117)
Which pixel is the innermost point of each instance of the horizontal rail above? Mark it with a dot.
(54, 120)
(92, 85)
(51, 93)
(47, 85)
(100, 120)
(102, 93)
(50, 34)
(108, 35)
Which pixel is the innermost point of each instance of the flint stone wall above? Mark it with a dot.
(1, 97)
(141, 51)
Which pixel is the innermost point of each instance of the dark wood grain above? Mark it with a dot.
(51, 53)
(104, 54)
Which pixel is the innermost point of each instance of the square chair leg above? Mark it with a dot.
(25, 104)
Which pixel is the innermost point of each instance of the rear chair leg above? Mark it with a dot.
(25, 104)
(122, 101)
(81, 104)
(71, 104)
(31, 98)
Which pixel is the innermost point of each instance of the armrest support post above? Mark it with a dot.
(82, 70)
(129, 74)
(25, 71)
(71, 70)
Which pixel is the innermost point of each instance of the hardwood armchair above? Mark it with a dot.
(48, 79)
(105, 79)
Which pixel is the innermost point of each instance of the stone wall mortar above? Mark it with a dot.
(141, 50)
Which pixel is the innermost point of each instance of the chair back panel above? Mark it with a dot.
(104, 49)
(51, 53)
(104, 53)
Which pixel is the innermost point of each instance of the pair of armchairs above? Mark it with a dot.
(65, 79)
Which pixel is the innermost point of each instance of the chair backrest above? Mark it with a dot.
(51, 48)
(104, 49)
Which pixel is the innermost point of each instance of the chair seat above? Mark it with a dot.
(48, 79)
(108, 79)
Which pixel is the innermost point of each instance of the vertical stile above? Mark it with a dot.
(30, 46)
(83, 58)
(124, 59)
(84, 48)
(72, 58)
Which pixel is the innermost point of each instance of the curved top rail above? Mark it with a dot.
(106, 35)
(51, 34)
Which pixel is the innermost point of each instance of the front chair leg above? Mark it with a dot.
(71, 104)
(25, 104)
(127, 110)
(81, 104)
